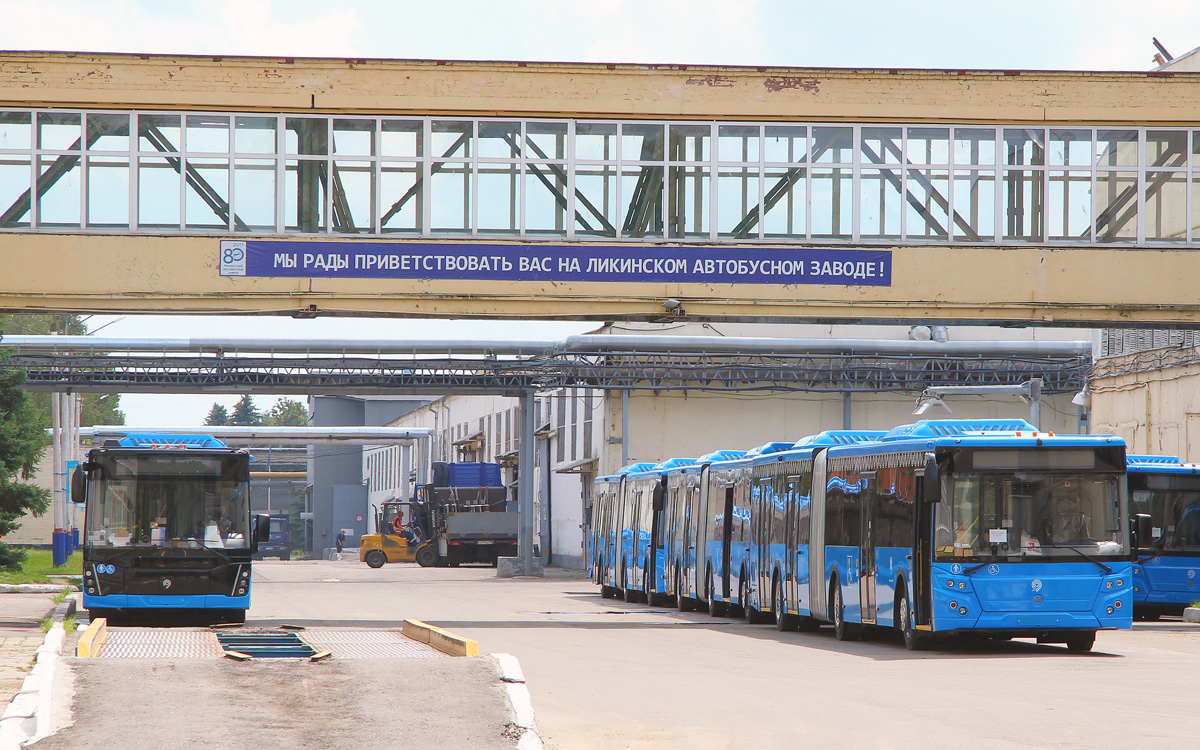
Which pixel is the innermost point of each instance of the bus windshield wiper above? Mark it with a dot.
(1084, 555)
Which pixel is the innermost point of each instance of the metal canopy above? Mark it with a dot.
(660, 363)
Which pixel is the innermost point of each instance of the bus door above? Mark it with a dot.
(761, 536)
(658, 497)
(726, 542)
(789, 542)
(922, 562)
(687, 547)
(866, 560)
(818, 587)
(698, 546)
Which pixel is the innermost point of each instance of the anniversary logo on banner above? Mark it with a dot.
(603, 263)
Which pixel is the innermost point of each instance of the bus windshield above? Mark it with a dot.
(169, 501)
(1030, 514)
(1173, 503)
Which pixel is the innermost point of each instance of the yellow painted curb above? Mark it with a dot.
(442, 640)
(92, 638)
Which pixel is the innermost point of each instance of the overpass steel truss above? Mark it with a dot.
(574, 179)
(865, 372)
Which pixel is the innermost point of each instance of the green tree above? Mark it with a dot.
(98, 408)
(22, 440)
(245, 413)
(287, 412)
(218, 416)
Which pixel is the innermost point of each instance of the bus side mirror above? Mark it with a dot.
(933, 484)
(262, 530)
(1141, 530)
(660, 497)
(78, 485)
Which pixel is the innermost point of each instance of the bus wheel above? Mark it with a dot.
(783, 621)
(842, 630)
(682, 603)
(376, 558)
(752, 614)
(1081, 642)
(914, 640)
(715, 608)
(630, 595)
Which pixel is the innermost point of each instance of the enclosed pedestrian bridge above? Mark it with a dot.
(536, 190)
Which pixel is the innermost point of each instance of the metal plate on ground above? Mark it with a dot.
(370, 644)
(202, 643)
(263, 645)
(160, 643)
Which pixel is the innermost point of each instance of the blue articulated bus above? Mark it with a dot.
(938, 528)
(1168, 557)
(606, 543)
(167, 527)
(986, 527)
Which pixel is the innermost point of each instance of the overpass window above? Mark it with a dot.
(16, 131)
(832, 191)
(208, 206)
(785, 182)
(403, 138)
(59, 131)
(207, 134)
(927, 204)
(401, 186)
(354, 137)
(255, 135)
(353, 196)
(254, 195)
(305, 194)
(1117, 191)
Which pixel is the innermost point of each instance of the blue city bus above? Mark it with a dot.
(1168, 557)
(606, 528)
(986, 527)
(777, 567)
(168, 528)
(686, 532)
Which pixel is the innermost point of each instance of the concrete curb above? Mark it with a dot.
(518, 698)
(1191, 614)
(442, 640)
(27, 718)
(35, 588)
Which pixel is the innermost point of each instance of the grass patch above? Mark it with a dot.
(69, 624)
(61, 596)
(39, 564)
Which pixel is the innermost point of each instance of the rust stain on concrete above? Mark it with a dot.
(782, 83)
(713, 80)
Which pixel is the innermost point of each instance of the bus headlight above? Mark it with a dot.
(1108, 584)
(1120, 582)
(1109, 610)
(241, 591)
(962, 585)
(950, 584)
(962, 610)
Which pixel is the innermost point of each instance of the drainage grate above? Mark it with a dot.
(266, 645)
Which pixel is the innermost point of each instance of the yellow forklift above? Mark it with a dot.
(394, 539)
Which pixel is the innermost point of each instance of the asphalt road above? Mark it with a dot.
(604, 674)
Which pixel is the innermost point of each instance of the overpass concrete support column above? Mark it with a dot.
(525, 563)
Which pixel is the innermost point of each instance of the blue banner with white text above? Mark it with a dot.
(556, 263)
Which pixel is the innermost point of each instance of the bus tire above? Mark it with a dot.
(752, 614)
(842, 630)
(682, 603)
(715, 608)
(784, 622)
(914, 640)
(1081, 643)
(608, 592)
(376, 558)
(627, 592)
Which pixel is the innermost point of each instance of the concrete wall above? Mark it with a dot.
(1158, 411)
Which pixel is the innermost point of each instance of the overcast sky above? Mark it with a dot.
(1016, 34)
